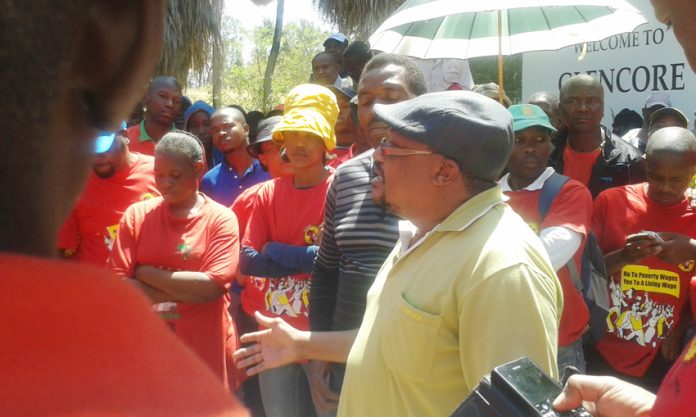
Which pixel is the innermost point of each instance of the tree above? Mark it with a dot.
(273, 56)
(248, 54)
(485, 70)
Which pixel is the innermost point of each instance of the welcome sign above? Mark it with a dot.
(630, 66)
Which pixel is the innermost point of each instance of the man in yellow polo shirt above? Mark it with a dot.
(468, 287)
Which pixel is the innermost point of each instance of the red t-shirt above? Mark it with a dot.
(77, 341)
(646, 299)
(206, 241)
(677, 394)
(135, 144)
(243, 205)
(284, 214)
(578, 165)
(572, 209)
(692, 296)
(90, 229)
(342, 155)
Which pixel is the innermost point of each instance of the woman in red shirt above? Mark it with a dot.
(181, 250)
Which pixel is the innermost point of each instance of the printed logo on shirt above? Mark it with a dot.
(687, 266)
(184, 250)
(633, 315)
(639, 277)
(146, 196)
(111, 232)
(287, 296)
(167, 311)
(311, 234)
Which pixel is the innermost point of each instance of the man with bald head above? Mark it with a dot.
(162, 106)
(650, 272)
(585, 150)
(549, 104)
(238, 170)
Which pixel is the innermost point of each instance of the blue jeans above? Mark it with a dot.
(571, 355)
(285, 392)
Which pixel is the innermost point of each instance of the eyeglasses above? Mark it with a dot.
(388, 149)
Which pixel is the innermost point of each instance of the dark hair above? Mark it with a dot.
(179, 142)
(475, 185)
(359, 49)
(240, 108)
(157, 82)
(274, 112)
(414, 77)
(334, 58)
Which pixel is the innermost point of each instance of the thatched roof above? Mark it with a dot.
(192, 33)
(358, 18)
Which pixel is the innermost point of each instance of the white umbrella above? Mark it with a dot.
(467, 29)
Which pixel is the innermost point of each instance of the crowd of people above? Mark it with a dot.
(374, 245)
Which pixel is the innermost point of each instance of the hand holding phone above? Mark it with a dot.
(531, 389)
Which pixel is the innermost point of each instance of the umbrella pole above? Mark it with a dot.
(500, 56)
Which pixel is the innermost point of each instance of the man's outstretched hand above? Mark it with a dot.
(605, 396)
(272, 347)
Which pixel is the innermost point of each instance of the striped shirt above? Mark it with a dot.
(358, 236)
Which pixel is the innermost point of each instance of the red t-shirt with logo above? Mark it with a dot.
(78, 341)
(572, 209)
(646, 299)
(578, 165)
(284, 214)
(89, 231)
(206, 241)
(677, 394)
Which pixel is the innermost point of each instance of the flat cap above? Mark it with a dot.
(469, 128)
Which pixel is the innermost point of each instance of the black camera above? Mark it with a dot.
(517, 389)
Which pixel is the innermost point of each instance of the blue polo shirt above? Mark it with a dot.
(223, 184)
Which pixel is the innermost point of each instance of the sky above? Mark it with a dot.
(252, 15)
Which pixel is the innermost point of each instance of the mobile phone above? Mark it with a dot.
(526, 385)
(653, 235)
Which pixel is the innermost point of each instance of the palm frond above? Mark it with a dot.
(358, 18)
(192, 35)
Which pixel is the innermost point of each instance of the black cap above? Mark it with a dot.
(466, 127)
(265, 133)
(346, 91)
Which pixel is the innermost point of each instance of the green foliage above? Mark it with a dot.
(247, 54)
(485, 70)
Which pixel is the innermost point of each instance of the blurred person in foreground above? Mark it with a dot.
(72, 334)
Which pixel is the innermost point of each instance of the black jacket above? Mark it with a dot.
(619, 163)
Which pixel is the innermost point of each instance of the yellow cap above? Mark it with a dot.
(309, 108)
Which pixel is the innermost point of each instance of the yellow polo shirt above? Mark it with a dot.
(474, 293)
